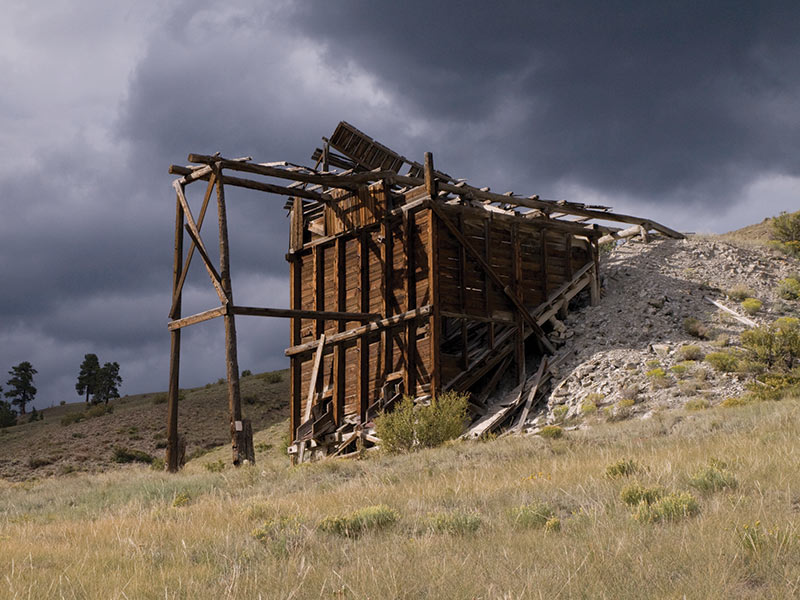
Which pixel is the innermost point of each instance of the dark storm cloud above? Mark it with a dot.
(633, 101)
(641, 98)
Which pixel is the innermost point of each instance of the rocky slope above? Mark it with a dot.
(649, 291)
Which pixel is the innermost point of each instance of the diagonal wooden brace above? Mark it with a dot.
(194, 233)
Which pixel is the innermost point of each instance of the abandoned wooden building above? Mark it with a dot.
(404, 281)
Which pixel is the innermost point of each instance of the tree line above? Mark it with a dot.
(98, 384)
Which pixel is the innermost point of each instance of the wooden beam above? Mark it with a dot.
(255, 185)
(291, 313)
(198, 318)
(295, 363)
(351, 181)
(339, 356)
(192, 246)
(363, 341)
(312, 385)
(357, 332)
(297, 226)
(239, 444)
(411, 303)
(516, 264)
(433, 282)
(494, 276)
(531, 395)
(173, 454)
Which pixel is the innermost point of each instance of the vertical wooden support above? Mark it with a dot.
(433, 281)
(519, 341)
(296, 231)
(319, 286)
(594, 289)
(363, 340)
(564, 310)
(239, 444)
(543, 259)
(462, 264)
(487, 253)
(173, 458)
(411, 303)
(295, 292)
(338, 350)
(386, 278)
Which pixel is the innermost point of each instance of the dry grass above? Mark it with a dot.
(254, 532)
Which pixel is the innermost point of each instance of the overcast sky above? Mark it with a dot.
(685, 112)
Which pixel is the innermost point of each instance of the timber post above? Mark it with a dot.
(241, 446)
(173, 455)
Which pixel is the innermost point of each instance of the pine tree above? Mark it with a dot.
(87, 378)
(21, 384)
(108, 382)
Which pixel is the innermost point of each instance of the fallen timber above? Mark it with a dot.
(403, 282)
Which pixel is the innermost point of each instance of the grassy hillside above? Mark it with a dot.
(463, 521)
(60, 443)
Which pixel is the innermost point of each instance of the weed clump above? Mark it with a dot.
(621, 468)
(690, 352)
(534, 515)
(73, 417)
(695, 328)
(371, 518)
(454, 523)
(409, 427)
(273, 377)
(789, 288)
(751, 305)
(734, 401)
(740, 292)
(722, 361)
(551, 432)
(123, 455)
(669, 508)
(634, 494)
(281, 535)
(713, 478)
(697, 404)
(776, 344)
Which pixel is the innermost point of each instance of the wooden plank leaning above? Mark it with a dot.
(531, 395)
(312, 386)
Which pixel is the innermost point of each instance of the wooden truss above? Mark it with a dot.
(340, 221)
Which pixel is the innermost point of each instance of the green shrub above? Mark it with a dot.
(751, 305)
(273, 377)
(551, 432)
(680, 370)
(560, 412)
(734, 401)
(73, 417)
(695, 328)
(215, 467)
(776, 344)
(39, 461)
(653, 363)
(668, 508)
(8, 416)
(282, 535)
(123, 455)
(534, 515)
(634, 494)
(621, 468)
(99, 410)
(713, 478)
(722, 361)
(786, 227)
(740, 292)
(589, 404)
(789, 289)
(690, 352)
(158, 464)
(553, 524)
(454, 523)
(409, 427)
(371, 518)
(246, 373)
(625, 403)
(180, 499)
